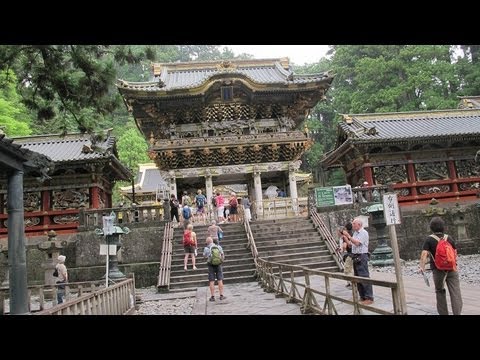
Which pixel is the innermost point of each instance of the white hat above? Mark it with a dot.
(365, 183)
(62, 258)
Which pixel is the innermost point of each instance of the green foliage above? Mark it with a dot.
(132, 149)
(14, 117)
(390, 78)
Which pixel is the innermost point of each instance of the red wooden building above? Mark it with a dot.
(85, 170)
(425, 154)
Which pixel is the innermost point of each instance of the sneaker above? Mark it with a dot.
(185, 268)
(367, 302)
(212, 298)
(194, 268)
(222, 297)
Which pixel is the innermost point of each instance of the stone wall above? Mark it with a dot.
(462, 223)
(140, 253)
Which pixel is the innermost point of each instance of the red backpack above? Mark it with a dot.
(187, 239)
(445, 255)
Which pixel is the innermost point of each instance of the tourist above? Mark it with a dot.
(62, 278)
(215, 256)
(189, 246)
(442, 277)
(359, 242)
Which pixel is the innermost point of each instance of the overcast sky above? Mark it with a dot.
(298, 54)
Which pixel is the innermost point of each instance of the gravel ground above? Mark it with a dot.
(468, 268)
(165, 304)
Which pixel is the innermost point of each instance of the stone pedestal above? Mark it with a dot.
(52, 249)
(4, 266)
(382, 255)
(114, 272)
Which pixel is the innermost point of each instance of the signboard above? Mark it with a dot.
(336, 195)
(108, 226)
(112, 249)
(391, 209)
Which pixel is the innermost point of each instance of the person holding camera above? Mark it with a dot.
(359, 241)
(346, 248)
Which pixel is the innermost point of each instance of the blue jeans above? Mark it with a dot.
(60, 292)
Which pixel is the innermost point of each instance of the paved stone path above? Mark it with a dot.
(250, 299)
(242, 299)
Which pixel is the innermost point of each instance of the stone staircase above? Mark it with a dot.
(238, 265)
(292, 241)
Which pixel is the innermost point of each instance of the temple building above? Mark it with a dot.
(424, 154)
(226, 122)
(83, 172)
(150, 186)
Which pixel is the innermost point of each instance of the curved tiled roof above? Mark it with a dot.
(14, 149)
(71, 147)
(403, 126)
(190, 75)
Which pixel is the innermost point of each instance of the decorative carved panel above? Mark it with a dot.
(425, 190)
(65, 219)
(70, 199)
(32, 201)
(431, 171)
(29, 221)
(388, 174)
(467, 168)
(403, 192)
(469, 186)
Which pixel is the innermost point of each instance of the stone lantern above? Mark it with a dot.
(382, 255)
(4, 264)
(52, 248)
(113, 238)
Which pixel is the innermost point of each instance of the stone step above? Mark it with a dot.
(265, 246)
(182, 286)
(293, 250)
(305, 234)
(285, 258)
(230, 263)
(176, 258)
(196, 276)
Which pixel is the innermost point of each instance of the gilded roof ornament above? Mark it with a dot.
(226, 66)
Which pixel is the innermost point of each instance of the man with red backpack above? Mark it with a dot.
(442, 251)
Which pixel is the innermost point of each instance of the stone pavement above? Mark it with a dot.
(242, 299)
(250, 299)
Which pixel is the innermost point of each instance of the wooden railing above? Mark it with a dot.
(251, 241)
(38, 294)
(283, 279)
(166, 259)
(92, 218)
(118, 299)
(332, 244)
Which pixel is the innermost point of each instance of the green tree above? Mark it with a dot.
(384, 78)
(68, 82)
(132, 148)
(14, 117)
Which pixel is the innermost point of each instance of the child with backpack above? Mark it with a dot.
(442, 251)
(215, 257)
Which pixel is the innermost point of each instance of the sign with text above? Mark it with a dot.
(336, 195)
(391, 209)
